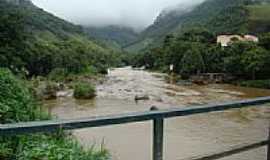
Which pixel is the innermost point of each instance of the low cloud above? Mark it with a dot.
(137, 14)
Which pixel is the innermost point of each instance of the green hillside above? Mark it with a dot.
(259, 12)
(259, 20)
(195, 51)
(114, 36)
(191, 47)
(219, 16)
(38, 42)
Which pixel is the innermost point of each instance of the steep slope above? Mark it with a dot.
(258, 21)
(114, 36)
(219, 16)
(39, 42)
(37, 19)
(167, 21)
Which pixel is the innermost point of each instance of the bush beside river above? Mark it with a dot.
(18, 105)
(84, 91)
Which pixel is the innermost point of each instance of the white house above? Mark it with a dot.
(226, 40)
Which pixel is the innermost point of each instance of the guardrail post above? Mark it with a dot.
(158, 129)
(268, 146)
(158, 139)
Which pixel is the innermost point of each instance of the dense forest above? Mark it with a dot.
(219, 16)
(192, 48)
(196, 51)
(36, 42)
(116, 37)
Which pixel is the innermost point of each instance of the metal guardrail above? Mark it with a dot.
(157, 116)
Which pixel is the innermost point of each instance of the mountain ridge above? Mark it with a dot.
(47, 42)
(208, 14)
(113, 35)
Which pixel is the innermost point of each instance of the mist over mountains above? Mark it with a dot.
(137, 14)
(136, 25)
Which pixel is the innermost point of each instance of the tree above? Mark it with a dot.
(254, 60)
(213, 56)
(198, 34)
(168, 40)
(12, 37)
(192, 62)
(246, 59)
(265, 41)
(233, 58)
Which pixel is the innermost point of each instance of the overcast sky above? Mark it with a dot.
(133, 13)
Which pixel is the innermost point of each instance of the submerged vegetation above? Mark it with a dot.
(256, 84)
(18, 105)
(37, 44)
(84, 91)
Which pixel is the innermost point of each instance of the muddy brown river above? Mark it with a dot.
(184, 137)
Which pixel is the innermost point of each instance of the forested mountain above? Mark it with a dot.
(167, 21)
(219, 16)
(38, 42)
(114, 36)
(191, 46)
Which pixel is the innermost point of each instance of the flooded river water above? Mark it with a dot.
(184, 137)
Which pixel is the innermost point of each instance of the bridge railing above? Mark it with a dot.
(157, 116)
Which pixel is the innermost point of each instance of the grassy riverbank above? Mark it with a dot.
(17, 104)
(265, 84)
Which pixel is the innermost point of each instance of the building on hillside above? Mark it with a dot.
(226, 40)
(251, 38)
